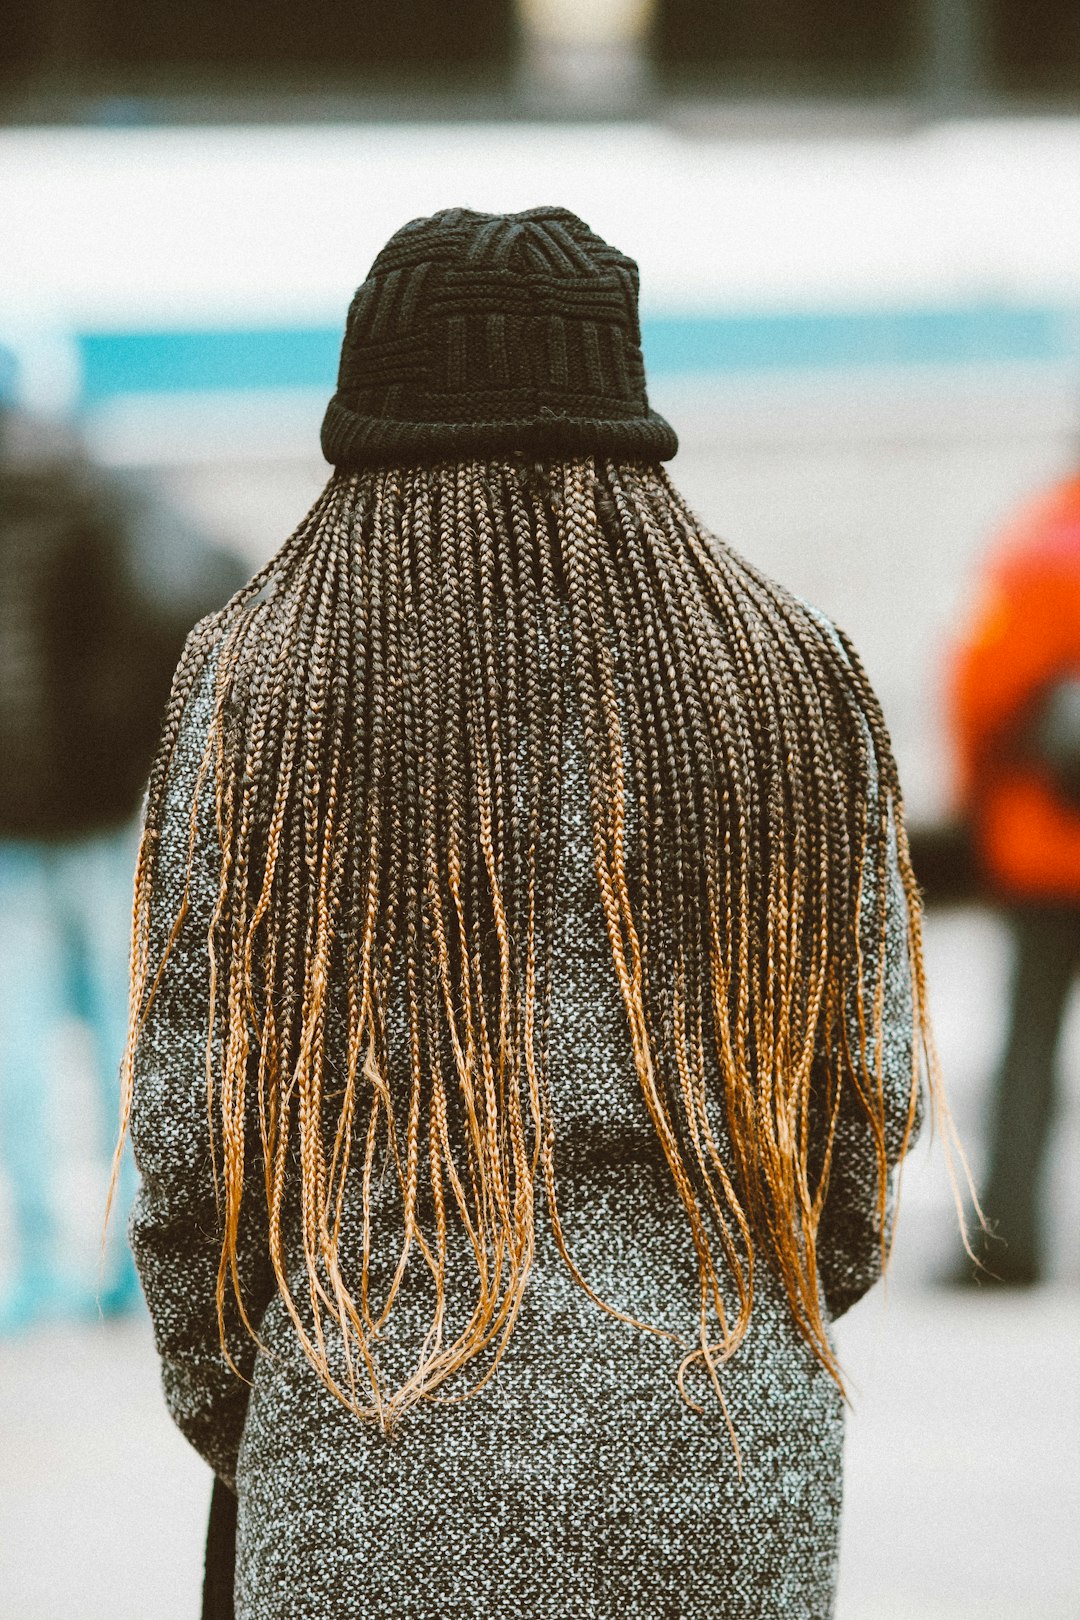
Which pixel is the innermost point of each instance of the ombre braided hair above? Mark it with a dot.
(390, 694)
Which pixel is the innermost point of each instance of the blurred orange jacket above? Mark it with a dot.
(1024, 638)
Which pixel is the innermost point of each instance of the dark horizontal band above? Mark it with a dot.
(352, 440)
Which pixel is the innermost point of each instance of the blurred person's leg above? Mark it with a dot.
(31, 1007)
(97, 873)
(1047, 947)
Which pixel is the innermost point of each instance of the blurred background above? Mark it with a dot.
(858, 229)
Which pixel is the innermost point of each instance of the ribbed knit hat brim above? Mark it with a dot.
(352, 440)
(479, 335)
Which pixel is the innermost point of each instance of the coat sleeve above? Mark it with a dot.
(849, 1238)
(176, 1228)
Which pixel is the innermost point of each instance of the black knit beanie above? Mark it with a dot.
(479, 334)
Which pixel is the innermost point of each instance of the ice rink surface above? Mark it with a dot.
(962, 1485)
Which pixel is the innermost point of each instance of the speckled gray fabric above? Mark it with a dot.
(577, 1483)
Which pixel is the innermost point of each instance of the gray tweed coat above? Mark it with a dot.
(577, 1483)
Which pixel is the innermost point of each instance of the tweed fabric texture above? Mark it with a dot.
(479, 334)
(577, 1483)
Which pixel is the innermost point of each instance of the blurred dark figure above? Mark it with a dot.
(1016, 709)
(945, 864)
(98, 587)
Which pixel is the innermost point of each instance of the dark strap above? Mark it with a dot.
(220, 1573)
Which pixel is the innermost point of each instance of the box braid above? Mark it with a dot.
(385, 757)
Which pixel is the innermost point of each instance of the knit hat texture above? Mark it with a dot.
(480, 334)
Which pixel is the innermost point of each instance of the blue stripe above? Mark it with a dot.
(168, 361)
(800, 342)
(207, 361)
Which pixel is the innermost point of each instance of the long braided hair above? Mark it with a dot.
(390, 697)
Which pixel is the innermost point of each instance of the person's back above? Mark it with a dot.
(92, 617)
(1021, 646)
(561, 1023)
